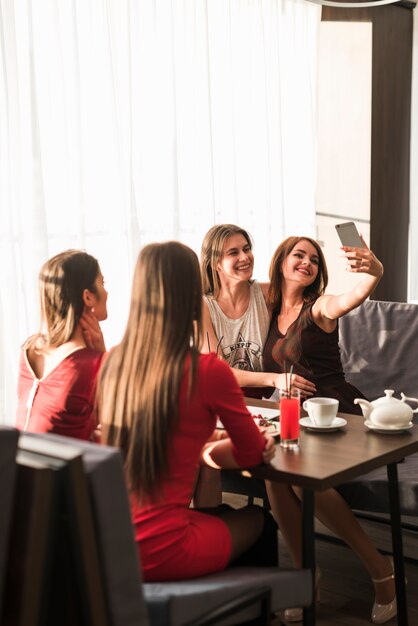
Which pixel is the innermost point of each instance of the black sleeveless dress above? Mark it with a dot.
(315, 355)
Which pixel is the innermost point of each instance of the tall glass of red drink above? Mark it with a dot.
(289, 418)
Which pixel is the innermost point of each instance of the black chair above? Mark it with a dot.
(235, 482)
(8, 446)
(53, 571)
(234, 596)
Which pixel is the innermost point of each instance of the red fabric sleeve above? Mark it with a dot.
(227, 401)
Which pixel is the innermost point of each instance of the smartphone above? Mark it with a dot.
(348, 234)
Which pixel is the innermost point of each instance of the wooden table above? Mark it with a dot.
(329, 459)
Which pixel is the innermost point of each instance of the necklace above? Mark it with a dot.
(295, 307)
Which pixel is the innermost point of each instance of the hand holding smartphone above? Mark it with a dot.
(349, 235)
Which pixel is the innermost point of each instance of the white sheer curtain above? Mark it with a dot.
(124, 122)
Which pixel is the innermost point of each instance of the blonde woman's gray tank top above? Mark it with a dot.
(242, 340)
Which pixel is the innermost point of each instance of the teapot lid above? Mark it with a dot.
(387, 398)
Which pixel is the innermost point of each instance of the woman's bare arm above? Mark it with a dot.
(209, 338)
(360, 261)
(219, 454)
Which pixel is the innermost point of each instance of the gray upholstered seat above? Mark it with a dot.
(181, 602)
(379, 349)
(370, 492)
(8, 446)
(133, 603)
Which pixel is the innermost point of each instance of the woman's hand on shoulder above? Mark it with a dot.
(362, 260)
(92, 332)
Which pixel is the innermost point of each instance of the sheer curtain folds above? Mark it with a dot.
(124, 122)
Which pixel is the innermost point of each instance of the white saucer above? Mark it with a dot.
(267, 414)
(391, 430)
(337, 422)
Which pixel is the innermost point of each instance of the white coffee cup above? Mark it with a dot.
(322, 411)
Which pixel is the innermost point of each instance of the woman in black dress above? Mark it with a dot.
(304, 325)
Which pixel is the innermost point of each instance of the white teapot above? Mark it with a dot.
(388, 412)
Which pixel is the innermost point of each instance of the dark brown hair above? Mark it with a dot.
(313, 291)
(138, 389)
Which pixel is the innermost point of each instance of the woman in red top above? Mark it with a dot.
(57, 371)
(158, 400)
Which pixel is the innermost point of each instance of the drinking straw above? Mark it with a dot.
(218, 344)
(290, 378)
(285, 377)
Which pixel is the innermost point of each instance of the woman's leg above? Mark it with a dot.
(332, 510)
(253, 534)
(286, 510)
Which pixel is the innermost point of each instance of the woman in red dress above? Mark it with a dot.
(159, 400)
(57, 371)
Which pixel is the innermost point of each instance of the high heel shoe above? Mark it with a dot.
(296, 614)
(382, 613)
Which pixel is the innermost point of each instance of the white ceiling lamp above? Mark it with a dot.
(353, 5)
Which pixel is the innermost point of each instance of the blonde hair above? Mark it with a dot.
(212, 252)
(62, 281)
(138, 389)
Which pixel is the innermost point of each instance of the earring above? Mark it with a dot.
(92, 309)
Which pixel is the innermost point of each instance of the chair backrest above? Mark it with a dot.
(8, 446)
(98, 469)
(118, 552)
(379, 348)
(53, 567)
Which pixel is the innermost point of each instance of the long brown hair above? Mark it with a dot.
(62, 281)
(313, 291)
(211, 254)
(139, 384)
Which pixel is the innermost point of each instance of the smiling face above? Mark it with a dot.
(297, 261)
(237, 260)
(301, 264)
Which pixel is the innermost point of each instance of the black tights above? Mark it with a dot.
(264, 552)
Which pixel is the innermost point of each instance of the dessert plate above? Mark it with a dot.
(266, 413)
(387, 431)
(337, 422)
(272, 429)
